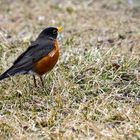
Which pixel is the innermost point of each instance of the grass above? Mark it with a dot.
(94, 90)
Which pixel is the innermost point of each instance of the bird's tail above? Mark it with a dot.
(10, 72)
(6, 74)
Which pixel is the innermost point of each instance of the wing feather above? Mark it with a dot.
(34, 53)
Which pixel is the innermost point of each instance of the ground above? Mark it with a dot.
(94, 90)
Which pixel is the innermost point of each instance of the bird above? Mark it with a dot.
(39, 58)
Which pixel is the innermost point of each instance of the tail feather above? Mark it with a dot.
(10, 72)
(3, 76)
(6, 74)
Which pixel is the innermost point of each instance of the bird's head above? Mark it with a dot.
(51, 32)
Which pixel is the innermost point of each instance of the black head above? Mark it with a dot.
(51, 32)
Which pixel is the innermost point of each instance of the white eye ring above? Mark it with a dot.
(54, 32)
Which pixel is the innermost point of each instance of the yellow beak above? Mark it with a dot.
(59, 28)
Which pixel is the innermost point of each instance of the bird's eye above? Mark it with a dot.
(54, 32)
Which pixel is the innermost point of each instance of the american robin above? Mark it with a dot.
(40, 57)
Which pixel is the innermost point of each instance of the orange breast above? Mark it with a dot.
(48, 62)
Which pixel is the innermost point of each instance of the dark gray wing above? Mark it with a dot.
(33, 45)
(37, 50)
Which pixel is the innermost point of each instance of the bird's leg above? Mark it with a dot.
(34, 81)
(42, 82)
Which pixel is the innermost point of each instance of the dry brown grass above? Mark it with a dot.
(93, 92)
